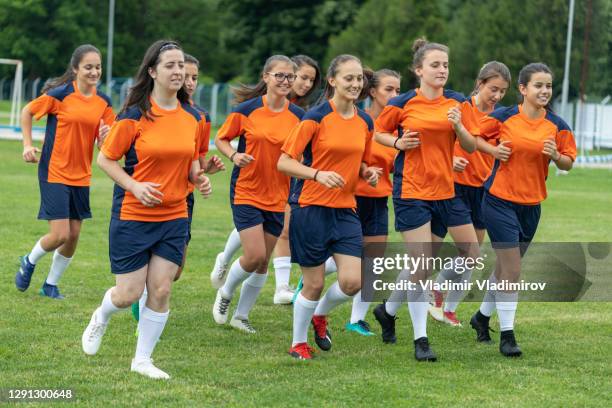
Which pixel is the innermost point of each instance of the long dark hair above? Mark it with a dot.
(75, 60)
(140, 93)
(490, 70)
(301, 61)
(527, 72)
(328, 91)
(245, 92)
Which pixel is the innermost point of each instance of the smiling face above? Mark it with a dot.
(169, 73)
(434, 70)
(191, 78)
(348, 81)
(538, 90)
(388, 87)
(305, 80)
(284, 71)
(89, 70)
(492, 91)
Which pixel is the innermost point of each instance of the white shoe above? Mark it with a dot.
(436, 312)
(146, 368)
(92, 336)
(219, 272)
(220, 308)
(243, 325)
(283, 295)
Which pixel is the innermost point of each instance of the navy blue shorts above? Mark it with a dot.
(510, 225)
(131, 243)
(190, 202)
(472, 198)
(60, 202)
(247, 216)
(373, 213)
(413, 213)
(315, 233)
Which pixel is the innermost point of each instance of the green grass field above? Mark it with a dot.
(566, 346)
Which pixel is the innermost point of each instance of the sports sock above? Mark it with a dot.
(330, 266)
(332, 298)
(231, 246)
(418, 307)
(487, 307)
(150, 327)
(107, 308)
(248, 294)
(143, 300)
(58, 266)
(282, 270)
(303, 309)
(506, 303)
(360, 308)
(36, 253)
(455, 296)
(235, 277)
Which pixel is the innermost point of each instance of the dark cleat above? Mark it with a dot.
(387, 323)
(321, 334)
(422, 352)
(507, 344)
(480, 323)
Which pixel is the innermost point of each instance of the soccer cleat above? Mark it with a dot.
(387, 323)
(451, 318)
(24, 274)
(422, 352)
(242, 325)
(435, 306)
(51, 291)
(136, 311)
(507, 344)
(219, 272)
(145, 367)
(298, 289)
(283, 295)
(301, 351)
(480, 323)
(321, 334)
(361, 327)
(92, 336)
(220, 308)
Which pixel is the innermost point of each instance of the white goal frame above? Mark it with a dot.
(16, 97)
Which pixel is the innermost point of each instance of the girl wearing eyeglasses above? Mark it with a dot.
(258, 191)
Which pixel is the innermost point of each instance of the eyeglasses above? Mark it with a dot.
(280, 77)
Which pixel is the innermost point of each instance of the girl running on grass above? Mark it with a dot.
(323, 221)
(471, 171)
(428, 120)
(372, 205)
(262, 121)
(149, 219)
(535, 136)
(78, 116)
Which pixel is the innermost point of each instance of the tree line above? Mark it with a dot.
(233, 39)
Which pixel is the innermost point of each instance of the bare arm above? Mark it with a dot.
(29, 151)
(239, 159)
(294, 168)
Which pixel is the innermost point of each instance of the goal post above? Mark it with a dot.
(16, 96)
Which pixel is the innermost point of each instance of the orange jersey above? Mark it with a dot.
(205, 141)
(328, 142)
(426, 172)
(262, 133)
(73, 120)
(480, 164)
(380, 156)
(522, 179)
(159, 151)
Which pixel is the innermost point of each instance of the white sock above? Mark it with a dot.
(455, 296)
(487, 307)
(397, 297)
(150, 326)
(360, 308)
(418, 307)
(143, 301)
(248, 294)
(36, 253)
(330, 266)
(58, 266)
(303, 309)
(282, 270)
(107, 309)
(231, 246)
(506, 303)
(332, 298)
(235, 277)
(447, 274)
